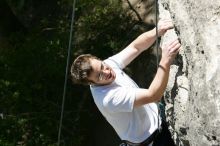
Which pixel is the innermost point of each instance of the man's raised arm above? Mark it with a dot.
(159, 83)
(144, 41)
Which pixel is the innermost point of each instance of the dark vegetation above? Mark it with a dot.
(34, 39)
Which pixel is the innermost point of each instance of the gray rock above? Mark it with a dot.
(195, 117)
(193, 92)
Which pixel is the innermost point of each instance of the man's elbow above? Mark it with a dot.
(146, 97)
(156, 96)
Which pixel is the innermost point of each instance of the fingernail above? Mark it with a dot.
(179, 40)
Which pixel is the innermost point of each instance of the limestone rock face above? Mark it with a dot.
(193, 92)
(193, 95)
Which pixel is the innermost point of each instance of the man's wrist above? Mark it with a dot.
(165, 63)
(156, 30)
(161, 67)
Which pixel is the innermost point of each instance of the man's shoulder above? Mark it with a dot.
(102, 94)
(103, 91)
(114, 62)
(103, 88)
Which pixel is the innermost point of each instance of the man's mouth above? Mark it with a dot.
(109, 75)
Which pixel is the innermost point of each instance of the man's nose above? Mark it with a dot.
(106, 71)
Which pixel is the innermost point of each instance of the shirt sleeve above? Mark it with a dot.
(120, 100)
(116, 61)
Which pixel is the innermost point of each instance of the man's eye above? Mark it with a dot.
(100, 77)
(102, 66)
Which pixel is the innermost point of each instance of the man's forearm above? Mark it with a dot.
(160, 81)
(145, 40)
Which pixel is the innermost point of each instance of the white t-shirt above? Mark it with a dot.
(115, 101)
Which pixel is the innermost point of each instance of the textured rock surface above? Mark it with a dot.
(193, 93)
(194, 107)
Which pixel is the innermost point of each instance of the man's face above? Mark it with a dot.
(102, 74)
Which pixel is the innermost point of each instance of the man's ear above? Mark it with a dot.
(91, 83)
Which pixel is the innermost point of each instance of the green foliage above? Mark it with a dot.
(103, 29)
(32, 67)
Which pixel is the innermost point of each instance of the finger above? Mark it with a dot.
(175, 48)
(178, 49)
(173, 43)
(167, 26)
(169, 45)
(176, 52)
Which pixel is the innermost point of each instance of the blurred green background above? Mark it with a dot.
(34, 37)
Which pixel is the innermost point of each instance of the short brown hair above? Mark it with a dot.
(81, 69)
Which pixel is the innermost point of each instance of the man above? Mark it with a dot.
(131, 111)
